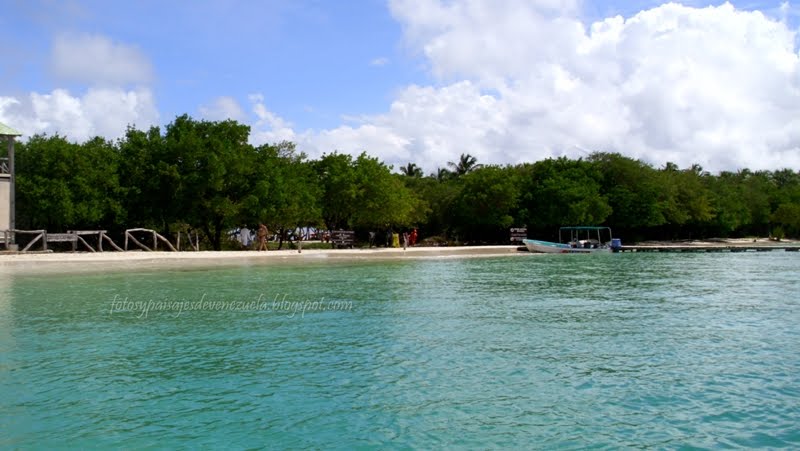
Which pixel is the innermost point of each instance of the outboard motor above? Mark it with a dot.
(616, 244)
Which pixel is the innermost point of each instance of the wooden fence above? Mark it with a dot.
(80, 237)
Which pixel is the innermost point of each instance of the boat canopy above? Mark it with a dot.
(590, 232)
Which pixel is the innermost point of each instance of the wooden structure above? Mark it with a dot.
(156, 237)
(86, 238)
(709, 248)
(7, 186)
(101, 237)
(75, 237)
(40, 236)
(343, 238)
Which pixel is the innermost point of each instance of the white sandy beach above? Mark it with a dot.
(81, 262)
(141, 260)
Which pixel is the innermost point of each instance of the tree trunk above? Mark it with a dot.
(218, 240)
(214, 237)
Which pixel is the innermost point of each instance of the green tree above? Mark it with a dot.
(149, 179)
(438, 198)
(727, 200)
(685, 200)
(787, 216)
(411, 170)
(466, 164)
(337, 181)
(443, 174)
(486, 203)
(382, 199)
(213, 166)
(632, 190)
(557, 192)
(786, 200)
(757, 192)
(363, 193)
(63, 185)
(286, 190)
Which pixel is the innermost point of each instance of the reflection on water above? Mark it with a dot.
(6, 324)
(560, 351)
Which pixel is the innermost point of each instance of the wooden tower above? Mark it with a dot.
(7, 207)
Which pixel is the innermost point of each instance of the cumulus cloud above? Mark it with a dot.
(99, 112)
(715, 86)
(105, 107)
(270, 128)
(97, 60)
(223, 108)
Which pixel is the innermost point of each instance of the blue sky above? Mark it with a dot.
(317, 65)
(310, 59)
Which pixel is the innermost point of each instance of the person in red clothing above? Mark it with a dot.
(413, 238)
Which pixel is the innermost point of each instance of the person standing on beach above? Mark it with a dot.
(262, 237)
(389, 235)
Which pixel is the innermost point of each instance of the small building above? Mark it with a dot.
(7, 182)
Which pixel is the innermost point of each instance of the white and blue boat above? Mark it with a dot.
(582, 240)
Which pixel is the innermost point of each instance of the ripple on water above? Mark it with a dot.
(612, 351)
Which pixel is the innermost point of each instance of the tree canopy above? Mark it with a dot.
(207, 176)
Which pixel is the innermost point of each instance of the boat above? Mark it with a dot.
(582, 240)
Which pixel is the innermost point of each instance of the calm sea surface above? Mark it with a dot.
(561, 351)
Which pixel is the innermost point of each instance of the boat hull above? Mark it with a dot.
(549, 247)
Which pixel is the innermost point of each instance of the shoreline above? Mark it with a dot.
(753, 242)
(99, 262)
(82, 262)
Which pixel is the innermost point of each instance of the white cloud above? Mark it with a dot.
(715, 86)
(99, 112)
(223, 108)
(269, 128)
(378, 62)
(96, 60)
(105, 108)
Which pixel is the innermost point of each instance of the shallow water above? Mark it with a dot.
(623, 350)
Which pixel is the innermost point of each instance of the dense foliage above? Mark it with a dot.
(205, 176)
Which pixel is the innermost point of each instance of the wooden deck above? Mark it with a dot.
(711, 248)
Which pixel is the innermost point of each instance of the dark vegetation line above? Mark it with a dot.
(205, 176)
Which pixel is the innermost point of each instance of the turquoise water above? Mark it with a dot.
(625, 350)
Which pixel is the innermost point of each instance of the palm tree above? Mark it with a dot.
(411, 170)
(442, 174)
(467, 163)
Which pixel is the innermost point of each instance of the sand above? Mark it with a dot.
(87, 262)
(141, 260)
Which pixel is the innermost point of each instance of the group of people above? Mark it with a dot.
(394, 240)
(245, 237)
